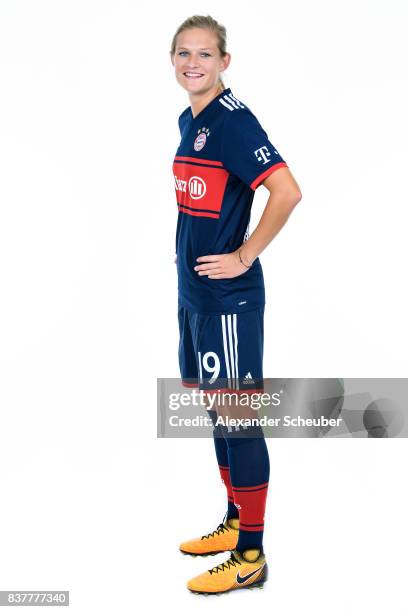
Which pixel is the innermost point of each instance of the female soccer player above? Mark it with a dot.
(223, 156)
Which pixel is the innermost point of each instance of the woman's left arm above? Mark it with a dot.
(284, 194)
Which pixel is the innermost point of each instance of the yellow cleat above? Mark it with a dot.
(241, 570)
(225, 537)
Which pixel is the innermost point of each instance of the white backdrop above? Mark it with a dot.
(92, 501)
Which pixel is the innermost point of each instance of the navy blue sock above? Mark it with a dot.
(221, 451)
(248, 459)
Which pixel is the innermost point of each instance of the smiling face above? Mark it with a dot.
(197, 60)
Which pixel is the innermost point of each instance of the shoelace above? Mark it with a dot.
(232, 561)
(220, 529)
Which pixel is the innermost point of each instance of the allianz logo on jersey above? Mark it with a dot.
(195, 187)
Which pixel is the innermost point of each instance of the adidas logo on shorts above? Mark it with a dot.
(248, 378)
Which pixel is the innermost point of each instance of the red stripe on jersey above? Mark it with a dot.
(196, 160)
(199, 189)
(267, 172)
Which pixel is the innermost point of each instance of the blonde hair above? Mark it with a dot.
(206, 23)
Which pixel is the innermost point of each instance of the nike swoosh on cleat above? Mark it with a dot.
(242, 579)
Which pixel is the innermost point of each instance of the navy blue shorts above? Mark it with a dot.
(222, 352)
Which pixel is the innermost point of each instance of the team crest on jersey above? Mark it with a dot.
(201, 139)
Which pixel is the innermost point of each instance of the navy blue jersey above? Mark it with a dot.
(224, 154)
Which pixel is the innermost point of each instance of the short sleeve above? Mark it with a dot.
(246, 150)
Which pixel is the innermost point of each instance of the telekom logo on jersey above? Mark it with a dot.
(195, 187)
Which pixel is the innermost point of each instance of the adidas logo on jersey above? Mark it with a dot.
(230, 102)
(248, 378)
